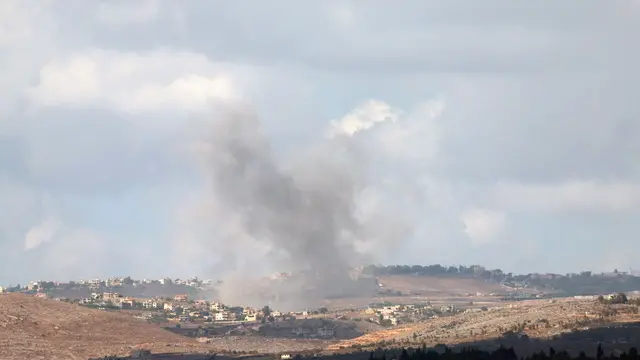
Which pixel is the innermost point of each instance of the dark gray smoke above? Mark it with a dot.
(305, 213)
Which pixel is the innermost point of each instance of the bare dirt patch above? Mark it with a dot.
(32, 328)
(438, 286)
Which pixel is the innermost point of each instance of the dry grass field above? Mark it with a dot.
(32, 328)
(438, 286)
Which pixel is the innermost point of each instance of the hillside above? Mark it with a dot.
(32, 328)
(437, 286)
(537, 318)
(583, 283)
(139, 291)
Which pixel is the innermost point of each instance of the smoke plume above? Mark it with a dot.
(305, 214)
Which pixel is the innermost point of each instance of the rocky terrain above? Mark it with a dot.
(32, 328)
(536, 318)
(266, 345)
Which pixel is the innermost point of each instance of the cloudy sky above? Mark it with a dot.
(505, 134)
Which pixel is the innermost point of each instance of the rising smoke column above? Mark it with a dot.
(306, 213)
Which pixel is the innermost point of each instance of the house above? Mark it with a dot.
(32, 286)
(114, 282)
(41, 295)
(168, 307)
(249, 311)
(181, 297)
(111, 296)
(152, 304)
(96, 296)
(224, 316)
(165, 281)
(215, 306)
(128, 303)
(276, 313)
(251, 317)
(2, 290)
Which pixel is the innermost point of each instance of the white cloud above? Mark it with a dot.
(582, 196)
(41, 233)
(364, 117)
(483, 226)
(134, 83)
(416, 135)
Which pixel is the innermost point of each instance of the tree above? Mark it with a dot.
(404, 355)
(599, 352)
(619, 298)
(323, 310)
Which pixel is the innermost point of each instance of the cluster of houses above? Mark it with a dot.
(120, 281)
(110, 282)
(177, 308)
(396, 314)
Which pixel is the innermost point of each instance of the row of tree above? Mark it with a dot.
(501, 354)
(571, 284)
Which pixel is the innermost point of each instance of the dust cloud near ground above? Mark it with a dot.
(303, 216)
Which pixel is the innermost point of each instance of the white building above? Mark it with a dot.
(216, 306)
(224, 316)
